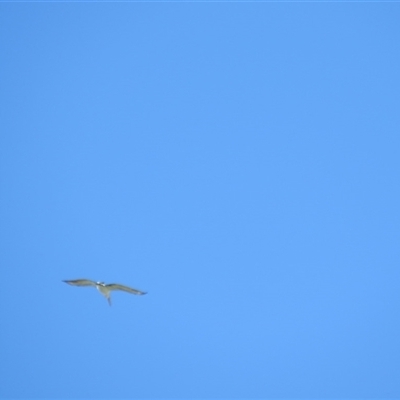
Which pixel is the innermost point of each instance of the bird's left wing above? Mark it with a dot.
(81, 282)
(117, 286)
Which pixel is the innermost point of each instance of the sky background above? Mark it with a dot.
(238, 161)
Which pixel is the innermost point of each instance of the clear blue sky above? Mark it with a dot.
(238, 161)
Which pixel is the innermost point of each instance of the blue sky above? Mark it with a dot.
(238, 161)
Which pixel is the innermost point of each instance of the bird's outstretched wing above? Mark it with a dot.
(116, 286)
(81, 282)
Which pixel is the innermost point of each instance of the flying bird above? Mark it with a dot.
(104, 289)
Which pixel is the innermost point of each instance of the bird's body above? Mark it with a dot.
(104, 289)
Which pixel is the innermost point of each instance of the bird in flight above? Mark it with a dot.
(104, 289)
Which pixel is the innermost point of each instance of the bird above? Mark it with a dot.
(104, 289)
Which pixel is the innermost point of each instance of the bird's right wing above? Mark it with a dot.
(81, 282)
(117, 286)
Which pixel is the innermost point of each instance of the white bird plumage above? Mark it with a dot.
(104, 289)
